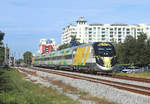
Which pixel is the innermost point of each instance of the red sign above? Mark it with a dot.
(47, 48)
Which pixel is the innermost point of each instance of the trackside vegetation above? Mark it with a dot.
(139, 75)
(14, 89)
(134, 51)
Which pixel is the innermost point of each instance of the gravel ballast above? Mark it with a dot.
(100, 90)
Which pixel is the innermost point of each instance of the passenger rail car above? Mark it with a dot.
(92, 57)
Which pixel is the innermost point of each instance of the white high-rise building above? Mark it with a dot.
(87, 33)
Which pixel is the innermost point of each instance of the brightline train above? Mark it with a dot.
(92, 57)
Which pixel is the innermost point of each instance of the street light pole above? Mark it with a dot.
(6, 57)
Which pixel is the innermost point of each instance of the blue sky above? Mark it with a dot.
(25, 22)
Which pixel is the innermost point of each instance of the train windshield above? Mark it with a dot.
(104, 50)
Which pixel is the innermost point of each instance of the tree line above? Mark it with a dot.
(2, 49)
(134, 51)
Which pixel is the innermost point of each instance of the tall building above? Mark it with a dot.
(47, 45)
(87, 33)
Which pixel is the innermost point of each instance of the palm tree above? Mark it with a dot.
(1, 37)
(73, 38)
(74, 41)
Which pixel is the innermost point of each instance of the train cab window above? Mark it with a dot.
(100, 49)
(104, 50)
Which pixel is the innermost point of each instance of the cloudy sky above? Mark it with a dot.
(25, 22)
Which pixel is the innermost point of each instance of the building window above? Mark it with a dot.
(138, 33)
(119, 32)
(98, 29)
(103, 35)
(111, 40)
(103, 38)
(111, 29)
(90, 32)
(138, 29)
(94, 28)
(111, 35)
(86, 28)
(128, 29)
(128, 33)
(90, 38)
(90, 28)
(119, 35)
(119, 29)
(103, 28)
(111, 32)
(119, 40)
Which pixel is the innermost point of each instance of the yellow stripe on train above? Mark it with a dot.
(82, 53)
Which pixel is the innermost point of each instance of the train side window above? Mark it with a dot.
(58, 57)
(68, 56)
(54, 58)
(45, 59)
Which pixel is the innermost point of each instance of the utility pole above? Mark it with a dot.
(14, 58)
(6, 58)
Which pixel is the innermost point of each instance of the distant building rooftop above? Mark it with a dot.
(96, 24)
(119, 24)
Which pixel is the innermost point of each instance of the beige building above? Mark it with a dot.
(87, 33)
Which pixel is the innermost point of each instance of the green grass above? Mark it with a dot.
(142, 74)
(15, 90)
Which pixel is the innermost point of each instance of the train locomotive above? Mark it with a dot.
(92, 57)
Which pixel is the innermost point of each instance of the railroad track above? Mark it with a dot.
(145, 80)
(139, 89)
